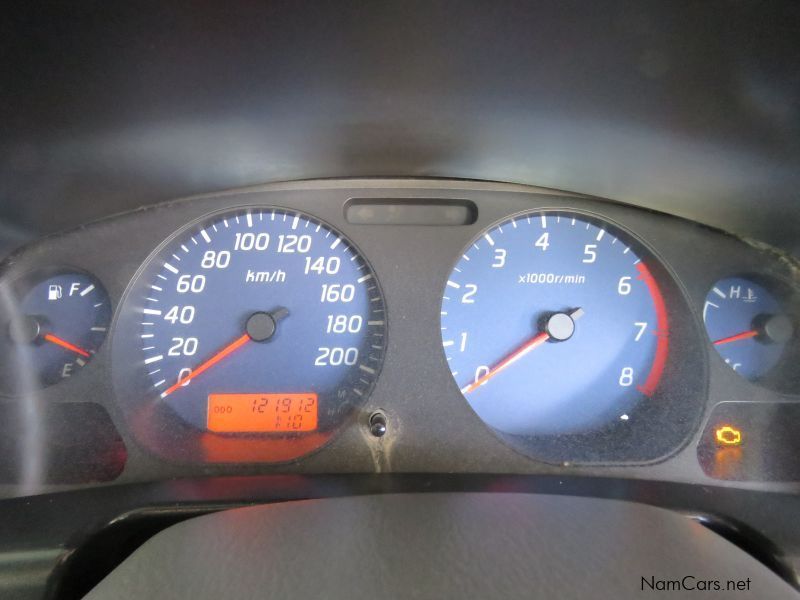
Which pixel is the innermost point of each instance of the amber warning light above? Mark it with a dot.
(262, 413)
(726, 435)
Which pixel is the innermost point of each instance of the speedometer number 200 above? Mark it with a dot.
(261, 300)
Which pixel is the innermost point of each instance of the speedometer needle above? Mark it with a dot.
(260, 327)
(230, 348)
(557, 329)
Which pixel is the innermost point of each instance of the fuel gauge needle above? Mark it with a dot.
(560, 327)
(49, 337)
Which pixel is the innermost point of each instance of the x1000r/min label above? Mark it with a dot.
(553, 278)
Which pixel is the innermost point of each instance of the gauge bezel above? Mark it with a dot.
(160, 430)
(780, 377)
(19, 283)
(672, 415)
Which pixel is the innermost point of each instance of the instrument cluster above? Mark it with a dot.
(400, 326)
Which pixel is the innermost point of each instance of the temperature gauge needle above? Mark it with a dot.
(49, 337)
(745, 335)
(560, 327)
(774, 329)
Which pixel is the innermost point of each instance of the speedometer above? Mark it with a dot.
(258, 331)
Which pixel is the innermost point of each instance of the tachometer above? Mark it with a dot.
(258, 332)
(558, 335)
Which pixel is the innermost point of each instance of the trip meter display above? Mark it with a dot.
(253, 334)
(558, 331)
(262, 412)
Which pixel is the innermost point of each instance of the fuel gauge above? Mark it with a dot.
(747, 325)
(51, 325)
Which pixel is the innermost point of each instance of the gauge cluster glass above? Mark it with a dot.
(749, 327)
(53, 323)
(542, 329)
(251, 336)
(557, 331)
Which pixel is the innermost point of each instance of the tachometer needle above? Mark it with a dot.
(559, 328)
(49, 337)
(745, 335)
(509, 360)
(230, 348)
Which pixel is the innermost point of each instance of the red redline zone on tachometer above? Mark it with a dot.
(662, 332)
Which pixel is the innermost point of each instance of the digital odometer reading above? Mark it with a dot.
(264, 303)
(260, 413)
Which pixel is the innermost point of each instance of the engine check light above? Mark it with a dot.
(727, 435)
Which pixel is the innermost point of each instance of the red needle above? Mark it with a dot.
(557, 334)
(238, 343)
(49, 337)
(745, 335)
(509, 360)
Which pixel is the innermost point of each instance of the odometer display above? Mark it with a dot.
(237, 413)
(247, 304)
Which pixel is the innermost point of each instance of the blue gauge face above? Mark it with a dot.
(552, 324)
(53, 329)
(259, 322)
(746, 325)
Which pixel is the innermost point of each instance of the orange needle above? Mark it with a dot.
(534, 342)
(236, 344)
(509, 360)
(49, 337)
(745, 335)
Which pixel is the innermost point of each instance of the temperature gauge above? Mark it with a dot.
(52, 325)
(747, 326)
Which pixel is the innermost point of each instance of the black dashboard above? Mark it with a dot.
(692, 412)
(360, 395)
(546, 253)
